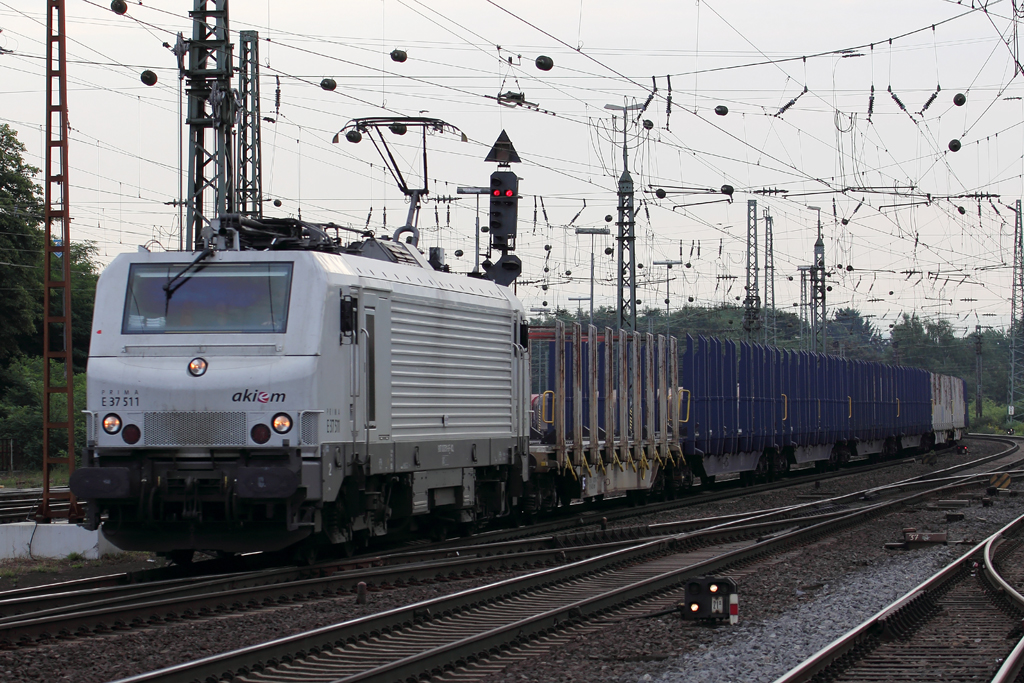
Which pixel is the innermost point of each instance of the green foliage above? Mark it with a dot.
(21, 408)
(993, 417)
(21, 308)
(21, 244)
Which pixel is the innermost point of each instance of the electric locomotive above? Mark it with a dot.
(285, 388)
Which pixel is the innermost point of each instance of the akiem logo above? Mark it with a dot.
(257, 396)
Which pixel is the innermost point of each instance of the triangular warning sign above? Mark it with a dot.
(503, 152)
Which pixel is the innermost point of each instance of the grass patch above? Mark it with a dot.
(33, 479)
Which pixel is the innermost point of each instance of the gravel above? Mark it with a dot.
(791, 606)
(119, 655)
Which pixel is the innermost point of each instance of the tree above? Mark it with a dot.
(21, 245)
(857, 337)
(21, 302)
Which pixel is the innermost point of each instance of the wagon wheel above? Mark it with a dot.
(781, 463)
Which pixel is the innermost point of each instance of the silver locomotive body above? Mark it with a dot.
(262, 398)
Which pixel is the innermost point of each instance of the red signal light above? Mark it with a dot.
(509, 193)
(260, 433)
(131, 434)
(497, 193)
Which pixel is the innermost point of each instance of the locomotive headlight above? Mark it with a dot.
(111, 424)
(197, 367)
(281, 423)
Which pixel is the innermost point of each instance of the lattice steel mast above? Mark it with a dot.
(770, 317)
(819, 334)
(625, 306)
(1016, 383)
(977, 371)
(805, 320)
(249, 186)
(211, 107)
(752, 301)
(58, 370)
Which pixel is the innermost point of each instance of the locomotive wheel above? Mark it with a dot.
(834, 459)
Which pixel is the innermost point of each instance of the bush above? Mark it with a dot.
(21, 410)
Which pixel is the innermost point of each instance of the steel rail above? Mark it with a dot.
(378, 571)
(36, 605)
(67, 613)
(911, 602)
(491, 538)
(240, 592)
(295, 647)
(1014, 662)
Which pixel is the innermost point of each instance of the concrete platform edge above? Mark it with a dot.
(52, 541)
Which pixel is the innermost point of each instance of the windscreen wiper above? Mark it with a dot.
(173, 285)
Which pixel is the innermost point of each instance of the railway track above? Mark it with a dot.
(83, 607)
(575, 517)
(18, 505)
(26, 619)
(467, 630)
(960, 625)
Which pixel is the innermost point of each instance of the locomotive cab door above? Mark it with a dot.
(371, 381)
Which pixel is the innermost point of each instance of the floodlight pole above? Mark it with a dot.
(592, 232)
(477, 191)
(668, 289)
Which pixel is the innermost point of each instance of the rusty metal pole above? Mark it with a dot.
(58, 371)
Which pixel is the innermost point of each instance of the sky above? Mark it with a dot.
(908, 224)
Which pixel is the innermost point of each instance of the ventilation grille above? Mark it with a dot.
(400, 253)
(310, 427)
(195, 429)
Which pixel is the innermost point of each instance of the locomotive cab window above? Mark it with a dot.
(220, 297)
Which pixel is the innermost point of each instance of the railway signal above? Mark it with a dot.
(504, 210)
(504, 213)
(711, 597)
